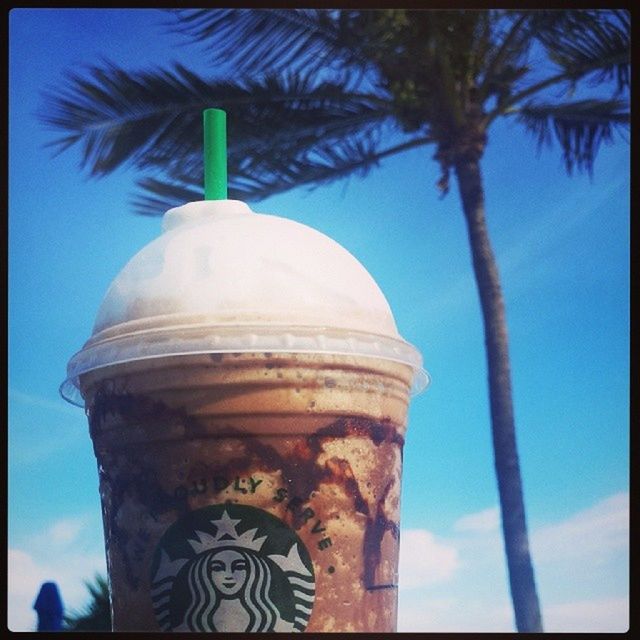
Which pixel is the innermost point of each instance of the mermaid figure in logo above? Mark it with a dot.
(229, 590)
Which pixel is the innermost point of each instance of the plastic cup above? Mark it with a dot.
(249, 474)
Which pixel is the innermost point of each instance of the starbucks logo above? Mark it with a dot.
(231, 567)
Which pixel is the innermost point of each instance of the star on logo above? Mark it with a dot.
(226, 526)
(226, 536)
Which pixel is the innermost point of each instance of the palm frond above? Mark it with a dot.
(264, 177)
(153, 118)
(272, 39)
(584, 45)
(579, 127)
(504, 62)
(116, 115)
(96, 614)
(583, 42)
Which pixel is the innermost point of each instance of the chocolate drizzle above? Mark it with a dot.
(300, 470)
(134, 409)
(378, 432)
(376, 528)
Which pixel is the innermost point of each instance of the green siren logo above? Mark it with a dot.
(231, 567)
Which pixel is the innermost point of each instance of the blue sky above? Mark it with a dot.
(563, 249)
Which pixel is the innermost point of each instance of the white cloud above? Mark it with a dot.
(439, 614)
(454, 615)
(424, 560)
(424, 614)
(580, 564)
(591, 534)
(482, 521)
(26, 575)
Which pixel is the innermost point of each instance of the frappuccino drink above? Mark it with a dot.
(247, 392)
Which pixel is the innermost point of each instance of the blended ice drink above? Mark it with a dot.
(247, 391)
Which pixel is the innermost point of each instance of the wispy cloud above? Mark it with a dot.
(529, 255)
(41, 427)
(64, 532)
(548, 229)
(44, 403)
(486, 520)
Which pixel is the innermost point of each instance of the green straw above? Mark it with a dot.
(215, 154)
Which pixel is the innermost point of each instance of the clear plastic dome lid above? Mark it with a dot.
(223, 279)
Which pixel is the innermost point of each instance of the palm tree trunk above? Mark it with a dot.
(514, 527)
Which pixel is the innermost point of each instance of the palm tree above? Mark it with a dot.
(96, 615)
(318, 95)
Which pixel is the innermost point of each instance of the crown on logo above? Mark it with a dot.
(226, 536)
